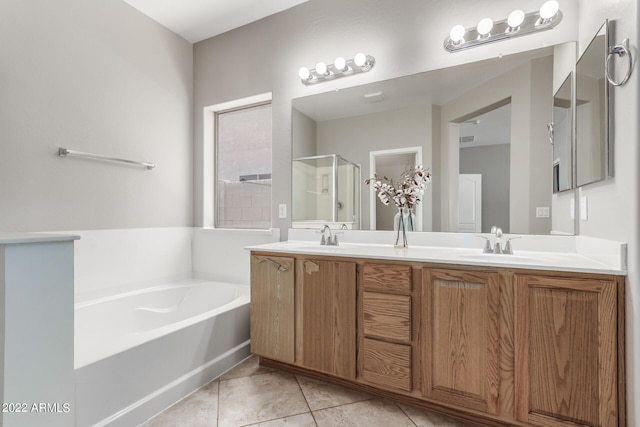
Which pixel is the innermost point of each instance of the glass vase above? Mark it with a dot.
(403, 221)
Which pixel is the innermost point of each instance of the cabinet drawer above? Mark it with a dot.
(387, 364)
(387, 316)
(386, 277)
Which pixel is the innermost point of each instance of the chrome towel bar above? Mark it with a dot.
(63, 152)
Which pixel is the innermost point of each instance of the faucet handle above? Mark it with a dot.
(487, 245)
(507, 247)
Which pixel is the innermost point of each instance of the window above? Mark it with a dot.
(243, 167)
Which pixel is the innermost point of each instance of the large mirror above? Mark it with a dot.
(592, 113)
(486, 119)
(561, 132)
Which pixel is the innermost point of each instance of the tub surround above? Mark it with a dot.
(110, 262)
(36, 277)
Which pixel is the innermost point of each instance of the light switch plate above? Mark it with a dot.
(542, 212)
(584, 208)
(282, 210)
(573, 209)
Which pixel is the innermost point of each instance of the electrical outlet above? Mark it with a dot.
(282, 210)
(542, 212)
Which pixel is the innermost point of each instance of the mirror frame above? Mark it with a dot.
(605, 29)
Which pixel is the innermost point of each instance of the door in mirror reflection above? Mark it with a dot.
(484, 179)
(560, 134)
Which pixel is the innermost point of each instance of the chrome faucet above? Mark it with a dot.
(497, 231)
(496, 247)
(492, 248)
(508, 250)
(327, 241)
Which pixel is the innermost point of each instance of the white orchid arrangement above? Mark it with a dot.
(408, 192)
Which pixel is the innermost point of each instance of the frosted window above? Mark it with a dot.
(243, 168)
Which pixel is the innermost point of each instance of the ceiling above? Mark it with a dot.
(196, 20)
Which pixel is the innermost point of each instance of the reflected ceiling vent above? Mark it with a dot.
(467, 139)
(374, 97)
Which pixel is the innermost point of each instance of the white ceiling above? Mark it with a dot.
(197, 20)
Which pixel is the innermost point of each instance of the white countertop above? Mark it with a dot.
(10, 238)
(591, 262)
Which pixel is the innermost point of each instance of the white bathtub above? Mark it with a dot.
(140, 351)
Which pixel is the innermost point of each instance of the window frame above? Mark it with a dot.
(210, 153)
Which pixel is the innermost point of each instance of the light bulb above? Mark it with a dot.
(321, 68)
(484, 26)
(360, 59)
(515, 18)
(304, 73)
(340, 63)
(549, 9)
(457, 33)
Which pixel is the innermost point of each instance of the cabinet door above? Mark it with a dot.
(461, 344)
(566, 369)
(272, 307)
(326, 316)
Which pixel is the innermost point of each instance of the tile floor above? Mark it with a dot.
(253, 395)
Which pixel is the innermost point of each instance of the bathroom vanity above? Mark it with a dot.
(536, 339)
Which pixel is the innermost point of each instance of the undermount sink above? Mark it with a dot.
(499, 258)
(318, 248)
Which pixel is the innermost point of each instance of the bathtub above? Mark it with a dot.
(138, 352)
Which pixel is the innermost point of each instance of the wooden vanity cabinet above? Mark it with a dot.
(326, 316)
(272, 307)
(461, 338)
(566, 351)
(495, 345)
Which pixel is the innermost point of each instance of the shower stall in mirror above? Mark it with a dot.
(326, 190)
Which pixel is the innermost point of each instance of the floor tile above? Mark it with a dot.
(370, 413)
(321, 395)
(302, 420)
(429, 419)
(246, 368)
(200, 409)
(258, 398)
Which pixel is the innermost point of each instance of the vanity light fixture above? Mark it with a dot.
(341, 67)
(517, 24)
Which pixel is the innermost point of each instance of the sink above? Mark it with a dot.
(318, 247)
(500, 258)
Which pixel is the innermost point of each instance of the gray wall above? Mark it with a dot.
(94, 76)
(304, 132)
(614, 205)
(529, 88)
(492, 161)
(355, 137)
